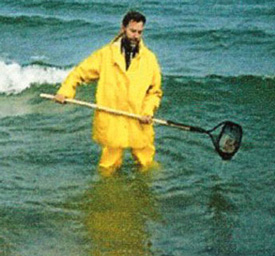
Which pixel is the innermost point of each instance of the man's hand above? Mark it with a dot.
(146, 119)
(60, 98)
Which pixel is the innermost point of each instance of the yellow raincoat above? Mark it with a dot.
(137, 90)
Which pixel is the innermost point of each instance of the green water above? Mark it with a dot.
(217, 60)
(54, 202)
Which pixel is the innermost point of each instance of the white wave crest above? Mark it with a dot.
(15, 78)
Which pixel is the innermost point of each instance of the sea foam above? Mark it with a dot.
(16, 78)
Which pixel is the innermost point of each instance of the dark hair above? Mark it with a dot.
(133, 15)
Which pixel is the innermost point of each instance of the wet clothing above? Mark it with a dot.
(136, 90)
(128, 80)
(111, 158)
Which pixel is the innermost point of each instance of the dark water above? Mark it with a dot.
(217, 60)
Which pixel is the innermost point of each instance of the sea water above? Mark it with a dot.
(218, 61)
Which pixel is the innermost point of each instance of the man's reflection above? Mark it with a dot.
(117, 213)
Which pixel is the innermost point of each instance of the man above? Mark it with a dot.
(129, 79)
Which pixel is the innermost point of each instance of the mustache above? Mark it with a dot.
(134, 41)
(131, 39)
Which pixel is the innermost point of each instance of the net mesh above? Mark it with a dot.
(228, 141)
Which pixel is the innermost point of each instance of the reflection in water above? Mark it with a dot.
(220, 239)
(117, 213)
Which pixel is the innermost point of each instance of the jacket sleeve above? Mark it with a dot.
(154, 92)
(85, 72)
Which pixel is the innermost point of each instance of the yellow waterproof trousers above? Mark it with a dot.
(111, 158)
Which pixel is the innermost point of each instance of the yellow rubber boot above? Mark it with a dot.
(145, 157)
(111, 160)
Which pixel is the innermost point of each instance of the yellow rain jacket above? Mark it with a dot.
(137, 90)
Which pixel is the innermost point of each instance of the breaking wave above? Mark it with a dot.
(16, 78)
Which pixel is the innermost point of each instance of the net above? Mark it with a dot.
(228, 141)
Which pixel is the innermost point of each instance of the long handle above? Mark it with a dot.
(127, 114)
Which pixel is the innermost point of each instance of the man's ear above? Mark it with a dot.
(122, 29)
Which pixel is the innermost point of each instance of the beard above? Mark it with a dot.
(133, 43)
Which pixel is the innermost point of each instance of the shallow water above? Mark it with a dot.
(218, 64)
